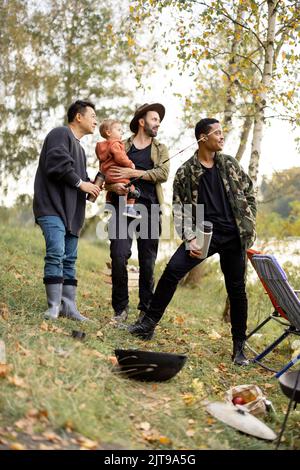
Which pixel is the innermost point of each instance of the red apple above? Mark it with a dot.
(238, 401)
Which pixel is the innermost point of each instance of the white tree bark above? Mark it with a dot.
(244, 138)
(261, 101)
(230, 105)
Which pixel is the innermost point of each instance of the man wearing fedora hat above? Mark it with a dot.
(150, 158)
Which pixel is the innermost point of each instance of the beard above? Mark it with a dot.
(150, 132)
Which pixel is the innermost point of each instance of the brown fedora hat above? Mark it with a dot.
(142, 110)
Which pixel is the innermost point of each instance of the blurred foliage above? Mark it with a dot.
(52, 53)
(279, 207)
(280, 191)
(243, 57)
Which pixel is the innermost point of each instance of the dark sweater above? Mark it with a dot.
(62, 164)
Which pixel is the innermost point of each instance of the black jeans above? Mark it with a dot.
(232, 260)
(121, 232)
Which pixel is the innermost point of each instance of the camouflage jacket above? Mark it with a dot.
(159, 174)
(238, 187)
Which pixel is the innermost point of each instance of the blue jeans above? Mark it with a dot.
(61, 250)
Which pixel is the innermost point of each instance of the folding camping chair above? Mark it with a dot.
(284, 299)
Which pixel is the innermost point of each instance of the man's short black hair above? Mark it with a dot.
(203, 126)
(78, 106)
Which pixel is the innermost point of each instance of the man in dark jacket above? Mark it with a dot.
(151, 161)
(60, 188)
(217, 182)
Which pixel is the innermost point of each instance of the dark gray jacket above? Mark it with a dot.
(62, 164)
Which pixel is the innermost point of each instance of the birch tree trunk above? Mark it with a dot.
(261, 101)
(232, 70)
(244, 138)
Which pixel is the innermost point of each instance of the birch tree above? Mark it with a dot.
(244, 56)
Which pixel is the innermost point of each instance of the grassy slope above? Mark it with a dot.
(72, 386)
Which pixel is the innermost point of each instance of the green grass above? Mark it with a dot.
(66, 384)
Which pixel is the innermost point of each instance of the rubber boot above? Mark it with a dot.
(238, 356)
(54, 294)
(68, 305)
(143, 329)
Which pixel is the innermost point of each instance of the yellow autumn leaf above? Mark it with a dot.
(214, 335)
(130, 41)
(17, 446)
(113, 360)
(198, 387)
(188, 399)
(165, 440)
(4, 370)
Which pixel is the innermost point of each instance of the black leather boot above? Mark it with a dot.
(238, 356)
(143, 329)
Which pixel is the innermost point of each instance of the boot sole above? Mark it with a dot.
(145, 337)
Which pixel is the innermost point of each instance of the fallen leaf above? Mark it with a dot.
(52, 436)
(165, 440)
(113, 360)
(267, 385)
(188, 399)
(4, 369)
(44, 326)
(210, 421)
(145, 426)
(42, 446)
(198, 387)
(179, 320)
(23, 351)
(21, 394)
(25, 424)
(58, 382)
(62, 352)
(4, 312)
(87, 443)
(68, 425)
(17, 446)
(214, 335)
(17, 381)
(38, 414)
(93, 352)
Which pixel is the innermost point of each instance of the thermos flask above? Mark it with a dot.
(98, 182)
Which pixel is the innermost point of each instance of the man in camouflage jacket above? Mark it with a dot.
(216, 182)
